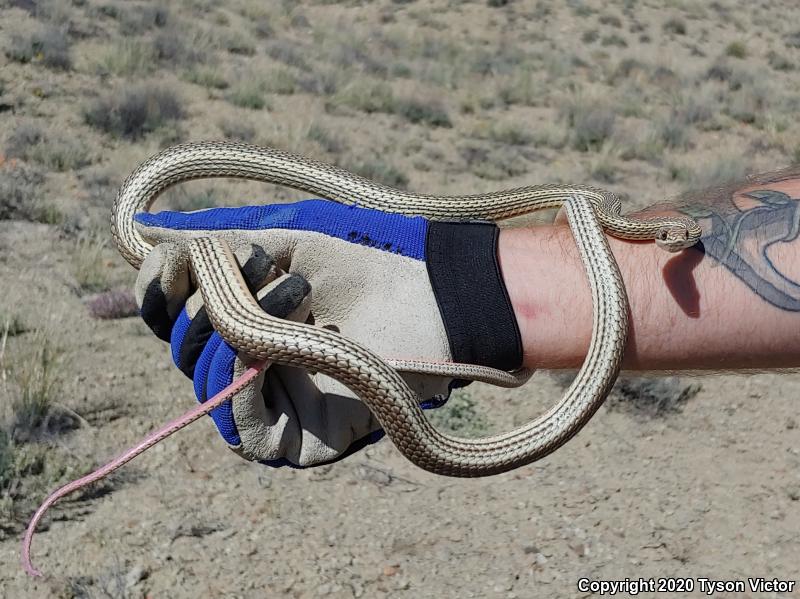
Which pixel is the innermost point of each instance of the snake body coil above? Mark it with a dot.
(241, 322)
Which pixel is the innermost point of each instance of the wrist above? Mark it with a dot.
(549, 293)
(464, 272)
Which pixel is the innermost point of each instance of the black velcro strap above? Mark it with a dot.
(472, 297)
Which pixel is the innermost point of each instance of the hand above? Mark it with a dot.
(407, 288)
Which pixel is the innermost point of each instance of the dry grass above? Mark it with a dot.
(36, 376)
(32, 376)
(48, 46)
(88, 266)
(21, 194)
(49, 148)
(652, 398)
(590, 120)
(127, 58)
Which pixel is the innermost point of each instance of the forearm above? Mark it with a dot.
(732, 302)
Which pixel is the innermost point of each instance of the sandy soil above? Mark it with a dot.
(693, 477)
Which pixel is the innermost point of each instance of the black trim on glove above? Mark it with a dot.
(472, 297)
(154, 311)
(279, 302)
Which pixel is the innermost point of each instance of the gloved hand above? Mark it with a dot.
(405, 287)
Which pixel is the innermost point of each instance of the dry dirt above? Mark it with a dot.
(678, 477)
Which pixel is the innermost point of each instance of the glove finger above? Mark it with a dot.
(193, 328)
(287, 297)
(162, 287)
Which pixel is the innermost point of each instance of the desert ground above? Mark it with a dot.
(679, 476)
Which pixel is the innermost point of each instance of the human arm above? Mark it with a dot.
(731, 302)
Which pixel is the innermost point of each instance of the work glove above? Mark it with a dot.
(405, 287)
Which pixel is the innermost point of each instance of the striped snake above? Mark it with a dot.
(241, 322)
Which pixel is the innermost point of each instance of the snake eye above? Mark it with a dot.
(663, 236)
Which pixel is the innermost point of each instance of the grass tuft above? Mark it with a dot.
(88, 266)
(128, 57)
(37, 381)
(207, 76)
(11, 326)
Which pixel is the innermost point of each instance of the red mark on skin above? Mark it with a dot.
(527, 311)
(678, 275)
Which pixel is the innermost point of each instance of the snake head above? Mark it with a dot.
(675, 238)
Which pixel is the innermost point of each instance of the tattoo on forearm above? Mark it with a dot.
(739, 239)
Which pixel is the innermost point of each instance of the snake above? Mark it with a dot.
(266, 340)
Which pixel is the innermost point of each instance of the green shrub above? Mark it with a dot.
(134, 112)
(591, 122)
(425, 112)
(48, 46)
(779, 62)
(327, 140)
(21, 195)
(614, 40)
(237, 129)
(379, 171)
(675, 26)
(736, 50)
(248, 94)
(461, 416)
(493, 163)
(366, 96)
(590, 36)
(28, 141)
(610, 20)
(280, 81)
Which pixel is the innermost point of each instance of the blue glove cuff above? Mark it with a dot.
(388, 232)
